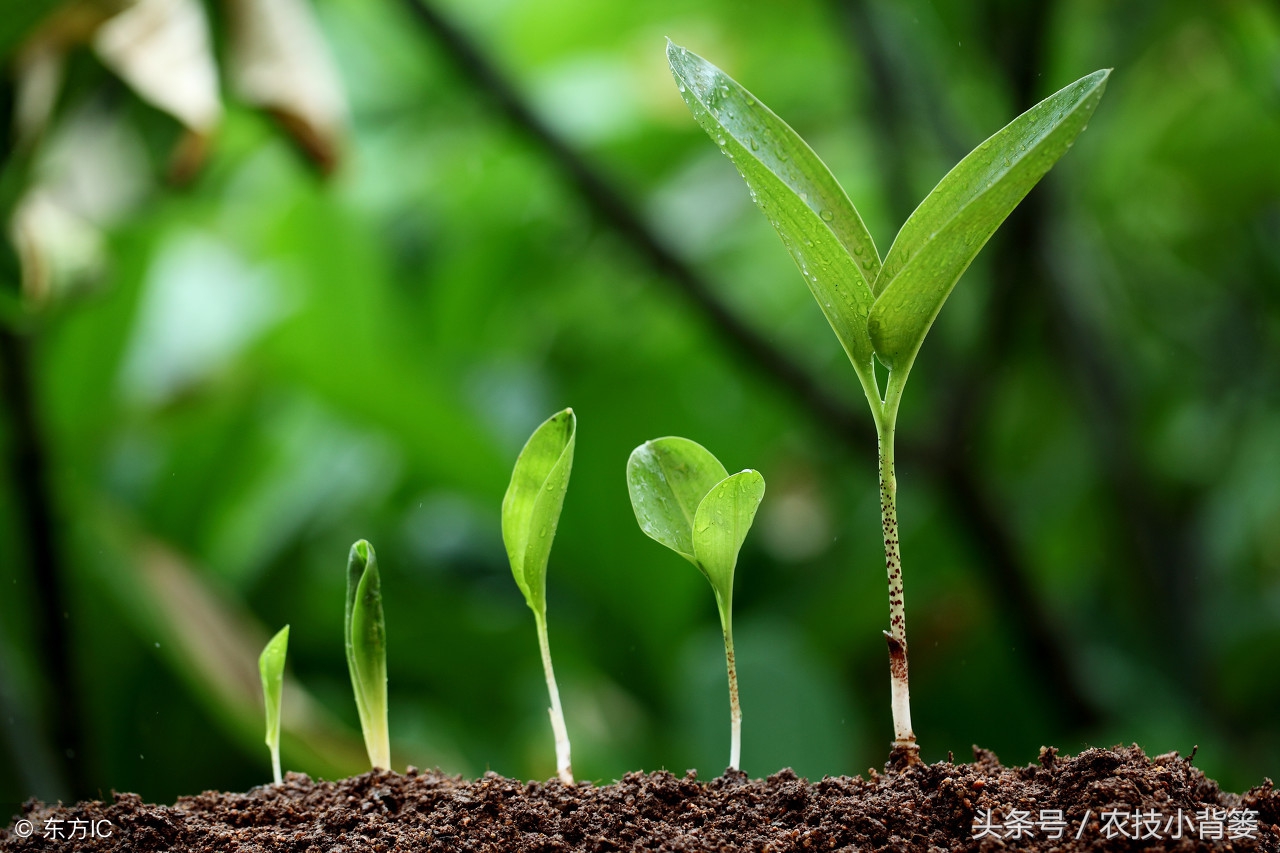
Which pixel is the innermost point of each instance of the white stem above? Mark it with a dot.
(563, 766)
(735, 707)
(896, 636)
(275, 762)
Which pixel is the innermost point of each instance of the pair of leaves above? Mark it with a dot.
(885, 310)
(684, 498)
(531, 507)
(366, 643)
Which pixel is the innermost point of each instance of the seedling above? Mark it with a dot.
(366, 641)
(530, 515)
(271, 668)
(882, 310)
(684, 498)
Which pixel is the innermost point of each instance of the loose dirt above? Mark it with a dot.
(1103, 799)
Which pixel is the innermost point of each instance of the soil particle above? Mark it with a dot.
(1103, 799)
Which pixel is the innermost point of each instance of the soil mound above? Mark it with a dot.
(1103, 799)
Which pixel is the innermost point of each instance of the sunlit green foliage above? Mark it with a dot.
(271, 366)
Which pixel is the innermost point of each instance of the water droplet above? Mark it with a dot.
(680, 86)
(755, 146)
(720, 140)
(542, 534)
(827, 216)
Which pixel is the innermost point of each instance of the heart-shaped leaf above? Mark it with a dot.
(721, 524)
(667, 479)
(532, 504)
(944, 234)
(808, 208)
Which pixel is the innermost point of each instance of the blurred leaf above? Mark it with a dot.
(163, 50)
(940, 240)
(279, 61)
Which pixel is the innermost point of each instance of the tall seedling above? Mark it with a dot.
(684, 498)
(881, 309)
(366, 642)
(530, 515)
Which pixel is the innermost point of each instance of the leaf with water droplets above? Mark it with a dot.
(724, 516)
(532, 504)
(817, 222)
(945, 233)
(667, 478)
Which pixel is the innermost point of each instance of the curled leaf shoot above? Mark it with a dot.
(366, 643)
(271, 668)
(530, 515)
(882, 310)
(684, 498)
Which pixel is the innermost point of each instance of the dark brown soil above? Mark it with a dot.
(1108, 799)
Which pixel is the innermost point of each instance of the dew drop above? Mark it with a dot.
(827, 216)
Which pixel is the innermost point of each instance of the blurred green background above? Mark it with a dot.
(234, 366)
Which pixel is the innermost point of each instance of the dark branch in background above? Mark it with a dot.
(612, 207)
(1006, 570)
(28, 476)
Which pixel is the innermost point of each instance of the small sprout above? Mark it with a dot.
(684, 498)
(271, 667)
(366, 641)
(881, 310)
(530, 515)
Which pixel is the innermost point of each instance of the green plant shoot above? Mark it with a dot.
(882, 311)
(530, 515)
(366, 642)
(271, 668)
(684, 498)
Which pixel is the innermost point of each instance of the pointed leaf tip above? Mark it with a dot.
(945, 233)
(818, 224)
(534, 499)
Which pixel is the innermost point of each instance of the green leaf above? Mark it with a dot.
(721, 524)
(271, 668)
(817, 222)
(366, 641)
(532, 504)
(944, 234)
(667, 479)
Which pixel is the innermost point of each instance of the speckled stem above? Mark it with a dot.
(896, 636)
(735, 709)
